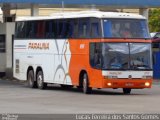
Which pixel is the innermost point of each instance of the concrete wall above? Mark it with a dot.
(10, 28)
(6, 58)
(2, 55)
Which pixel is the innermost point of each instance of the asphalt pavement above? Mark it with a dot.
(16, 97)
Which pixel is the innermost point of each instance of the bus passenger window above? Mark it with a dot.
(28, 30)
(60, 29)
(107, 28)
(32, 29)
(20, 30)
(50, 29)
(70, 29)
(84, 28)
(126, 28)
(65, 28)
(40, 29)
(95, 30)
(83, 31)
(75, 30)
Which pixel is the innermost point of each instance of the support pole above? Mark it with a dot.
(6, 8)
(34, 10)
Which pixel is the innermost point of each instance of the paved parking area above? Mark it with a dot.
(16, 97)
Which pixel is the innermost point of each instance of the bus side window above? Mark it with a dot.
(20, 30)
(59, 28)
(32, 29)
(28, 29)
(75, 30)
(50, 29)
(107, 25)
(70, 29)
(84, 28)
(95, 30)
(64, 31)
(40, 29)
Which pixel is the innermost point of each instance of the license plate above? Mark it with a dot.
(129, 84)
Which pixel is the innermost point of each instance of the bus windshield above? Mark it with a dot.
(126, 56)
(121, 56)
(126, 28)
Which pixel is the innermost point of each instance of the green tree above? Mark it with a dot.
(154, 20)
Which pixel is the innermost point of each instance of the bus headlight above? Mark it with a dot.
(109, 84)
(147, 84)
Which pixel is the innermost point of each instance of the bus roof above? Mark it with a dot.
(84, 14)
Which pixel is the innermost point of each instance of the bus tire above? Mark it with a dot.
(40, 80)
(30, 78)
(86, 88)
(126, 90)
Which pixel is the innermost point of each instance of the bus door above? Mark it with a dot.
(95, 52)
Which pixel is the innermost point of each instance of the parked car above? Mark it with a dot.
(155, 35)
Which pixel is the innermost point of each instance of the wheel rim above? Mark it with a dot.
(40, 80)
(84, 84)
(30, 81)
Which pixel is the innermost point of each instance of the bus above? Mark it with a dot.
(87, 49)
(156, 57)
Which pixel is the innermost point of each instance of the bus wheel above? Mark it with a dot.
(30, 79)
(40, 80)
(126, 90)
(86, 88)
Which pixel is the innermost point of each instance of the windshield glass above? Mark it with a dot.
(121, 56)
(126, 28)
(140, 56)
(115, 56)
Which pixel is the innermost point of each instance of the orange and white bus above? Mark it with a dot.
(88, 49)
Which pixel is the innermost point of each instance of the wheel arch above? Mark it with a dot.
(39, 68)
(81, 77)
(29, 68)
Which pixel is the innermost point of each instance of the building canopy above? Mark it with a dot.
(112, 3)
